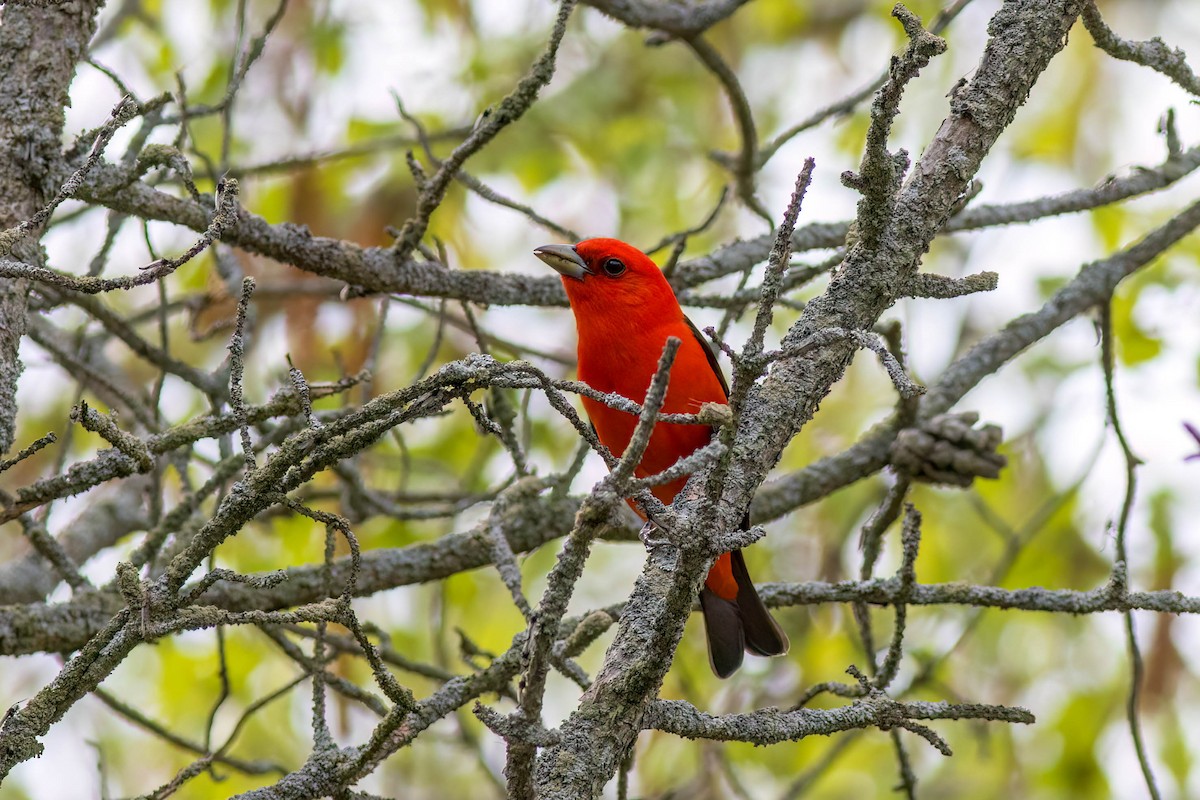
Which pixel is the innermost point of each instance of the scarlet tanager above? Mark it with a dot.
(624, 311)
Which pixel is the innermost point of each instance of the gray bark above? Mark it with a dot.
(598, 735)
(39, 48)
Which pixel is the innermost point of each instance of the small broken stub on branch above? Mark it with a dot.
(717, 415)
(948, 449)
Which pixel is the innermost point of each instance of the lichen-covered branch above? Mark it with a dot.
(38, 53)
(770, 726)
(171, 493)
(1020, 48)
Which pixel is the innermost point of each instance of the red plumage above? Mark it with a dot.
(624, 312)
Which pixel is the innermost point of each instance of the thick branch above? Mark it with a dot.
(38, 53)
(1024, 37)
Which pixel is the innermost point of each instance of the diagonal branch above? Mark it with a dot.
(1154, 54)
(876, 269)
(509, 110)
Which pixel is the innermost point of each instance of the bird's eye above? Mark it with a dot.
(613, 267)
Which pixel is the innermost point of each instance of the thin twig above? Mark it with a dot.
(237, 352)
(1132, 708)
(124, 111)
(510, 109)
(744, 167)
(1154, 53)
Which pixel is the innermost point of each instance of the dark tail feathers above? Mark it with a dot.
(741, 625)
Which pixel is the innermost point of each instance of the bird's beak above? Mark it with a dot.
(564, 260)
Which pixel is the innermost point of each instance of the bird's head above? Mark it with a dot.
(609, 276)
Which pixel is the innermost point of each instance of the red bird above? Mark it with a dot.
(624, 311)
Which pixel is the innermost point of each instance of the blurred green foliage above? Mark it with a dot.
(634, 124)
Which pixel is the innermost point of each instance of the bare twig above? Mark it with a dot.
(237, 351)
(511, 108)
(1154, 54)
(744, 168)
(1132, 707)
(124, 111)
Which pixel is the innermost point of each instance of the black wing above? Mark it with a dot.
(710, 354)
